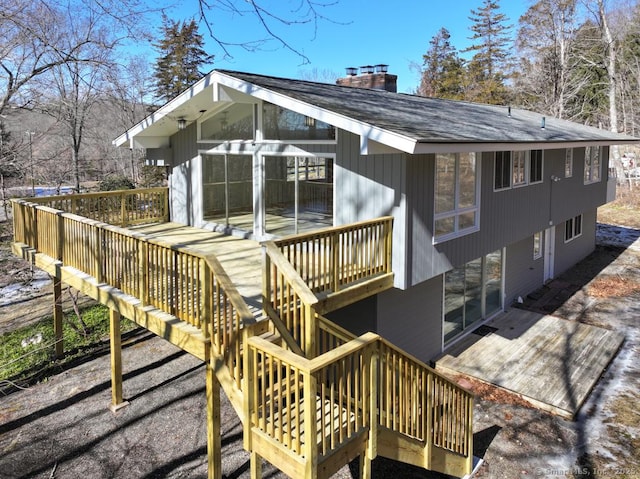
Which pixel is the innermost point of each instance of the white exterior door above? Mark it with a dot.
(549, 252)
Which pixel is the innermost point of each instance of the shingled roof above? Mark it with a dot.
(422, 123)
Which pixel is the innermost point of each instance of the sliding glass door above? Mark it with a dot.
(471, 293)
(298, 194)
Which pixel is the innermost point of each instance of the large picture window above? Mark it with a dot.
(286, 125)
(456, 195)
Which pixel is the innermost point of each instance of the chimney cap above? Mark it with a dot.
(366, 69)
(381, 68)
(351, 71)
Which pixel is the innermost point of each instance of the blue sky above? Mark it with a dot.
(363, 32)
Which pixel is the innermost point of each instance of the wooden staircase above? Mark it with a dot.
(311, 396)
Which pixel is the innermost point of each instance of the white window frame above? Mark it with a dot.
(520, 169)
(457, 212)
(592, 164)
(537, 244)
(573, 228)
(568, 163)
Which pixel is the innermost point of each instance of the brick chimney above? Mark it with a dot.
(371, 76)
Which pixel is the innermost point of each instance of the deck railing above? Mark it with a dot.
(289, 302)
(364, 384)
(298, 269)
(178, 281)
(416, 401)
(309, 407)
(331, 258)
(120, 208)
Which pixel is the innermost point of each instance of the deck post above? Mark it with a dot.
(469, 418)
(256, 465)
(266, 276)
(310, 449)
(310, 332)
(115, 338)
(372, 446)
(123, 210)
(58, 317)
(214, 442)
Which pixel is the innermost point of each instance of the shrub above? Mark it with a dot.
(113, 183)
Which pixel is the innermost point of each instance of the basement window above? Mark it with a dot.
(573, 228)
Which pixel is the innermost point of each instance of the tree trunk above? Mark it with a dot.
(610, 48)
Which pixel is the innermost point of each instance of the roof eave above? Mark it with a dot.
(425, 146)
(128, 138)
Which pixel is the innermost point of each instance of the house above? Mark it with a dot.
(488, 202)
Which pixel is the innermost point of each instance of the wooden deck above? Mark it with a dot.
(311, 396)
(241, 258)
(551, 362)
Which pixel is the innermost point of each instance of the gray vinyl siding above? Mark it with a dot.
(568, 254)
(185, 179)
(524, 274)
(506, 216)
(368, 187)
(412, 319)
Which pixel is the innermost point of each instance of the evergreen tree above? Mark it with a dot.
(488, 68)
(181, 55)
(443, 70)
(589, 102)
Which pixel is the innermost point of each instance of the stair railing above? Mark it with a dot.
(289, 302)
(415, 400)
(365, 384)
(308, 407)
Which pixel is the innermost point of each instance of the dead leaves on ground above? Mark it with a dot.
(612, 287)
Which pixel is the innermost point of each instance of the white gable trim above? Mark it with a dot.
(365, 130)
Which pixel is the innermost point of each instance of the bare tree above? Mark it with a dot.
(35, 39)
(545, 37)
(270, 17)
(129, 91)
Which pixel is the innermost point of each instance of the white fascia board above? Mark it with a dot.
(365, 130)
(460, 147)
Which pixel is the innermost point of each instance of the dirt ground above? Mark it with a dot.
(62, 428)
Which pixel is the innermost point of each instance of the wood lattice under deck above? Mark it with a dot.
(310, 395)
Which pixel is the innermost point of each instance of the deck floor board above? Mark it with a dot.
(550, 361)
